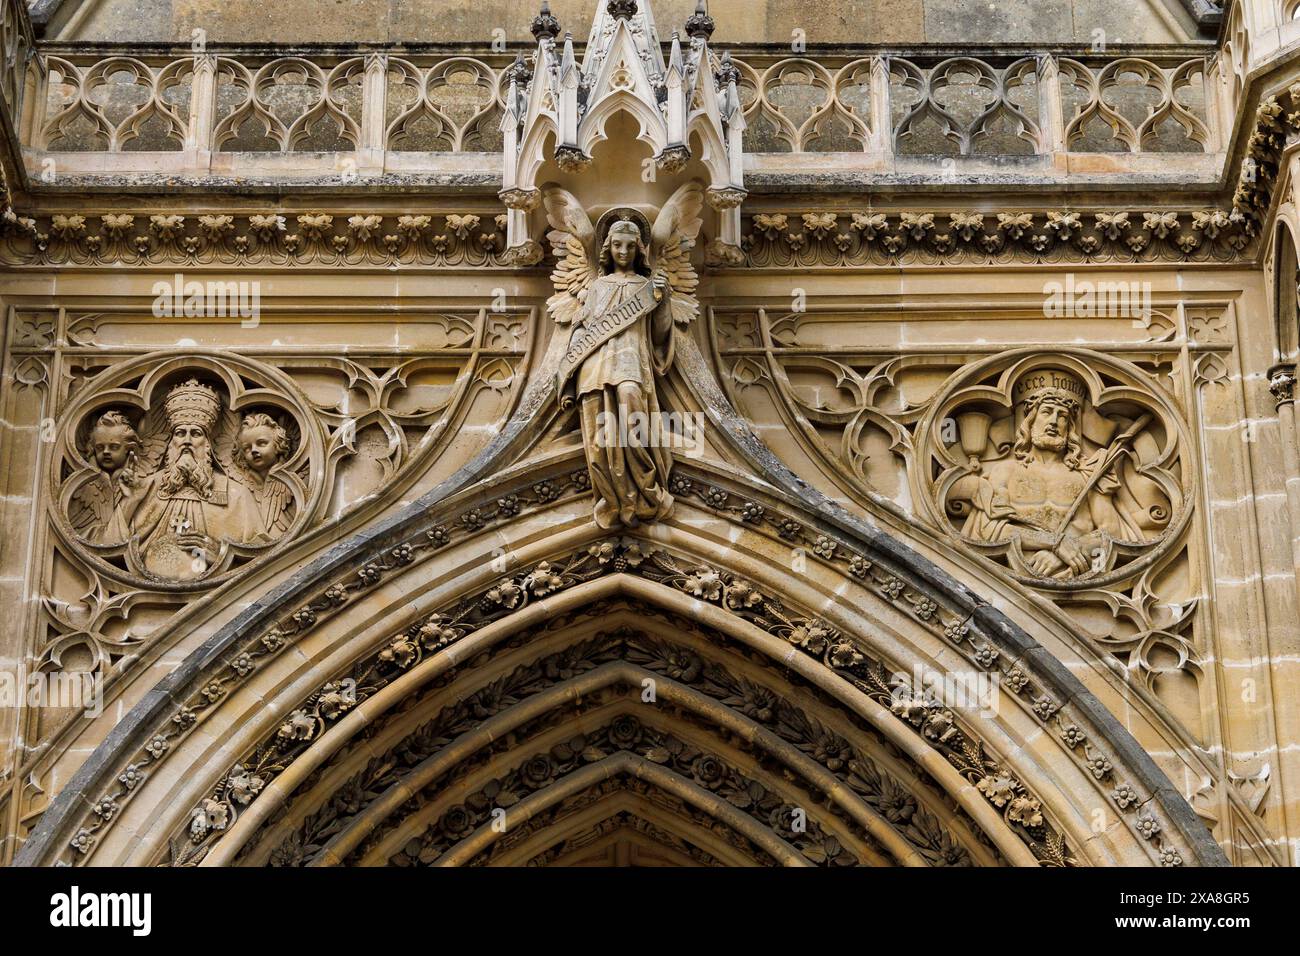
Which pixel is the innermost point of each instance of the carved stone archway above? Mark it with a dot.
(484, 675)
(808, 702)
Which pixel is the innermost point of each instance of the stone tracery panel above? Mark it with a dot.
(964, 106)
(1025, 450)
(938, 435)
(163, 452)
(1134, 105)
(119, 103)
(967, 105)
(171, 469)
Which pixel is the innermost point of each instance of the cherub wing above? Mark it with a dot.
(293, 433)
(154, 433)
(91, 500)
(671, 238)
(223, 443)
(572, 239)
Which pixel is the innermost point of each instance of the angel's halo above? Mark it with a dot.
(614, 214)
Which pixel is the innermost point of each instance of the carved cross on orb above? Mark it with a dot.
(181, 524)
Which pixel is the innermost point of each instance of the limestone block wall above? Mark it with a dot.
(961, 22)
(884, 344)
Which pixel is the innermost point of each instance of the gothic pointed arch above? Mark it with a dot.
(525, 588)
(888, 591)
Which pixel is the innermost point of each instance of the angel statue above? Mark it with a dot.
(620, 307)
(180, 518)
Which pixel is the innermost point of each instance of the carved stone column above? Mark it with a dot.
(1281, 382)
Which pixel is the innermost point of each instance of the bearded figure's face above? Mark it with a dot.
(189, 461)
(1050, 430)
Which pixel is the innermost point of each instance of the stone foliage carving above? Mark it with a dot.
(768, 240)
(890, 796)
(861, 774)
(783, 240)
(364, 238)
(757, 799)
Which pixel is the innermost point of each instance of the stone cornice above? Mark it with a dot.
(802, 237)
(473, 240)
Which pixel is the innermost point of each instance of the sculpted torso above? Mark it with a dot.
(1041, 493)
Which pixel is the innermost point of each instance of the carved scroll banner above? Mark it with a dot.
(591, 336)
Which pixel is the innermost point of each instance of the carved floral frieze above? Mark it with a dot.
(788, 239)
(783, 240)
(809, 636)
(474, 239)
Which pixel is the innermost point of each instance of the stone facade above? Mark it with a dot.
(650, 435)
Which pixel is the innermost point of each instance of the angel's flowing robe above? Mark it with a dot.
(616, 387)
(156, 520)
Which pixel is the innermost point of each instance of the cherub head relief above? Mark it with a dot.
(114, 445)
(192, 410)
(262, 443)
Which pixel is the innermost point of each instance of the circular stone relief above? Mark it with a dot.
(1069, 469)
(173, 470)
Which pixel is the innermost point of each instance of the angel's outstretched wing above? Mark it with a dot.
(671, 239)
(224, 438)
(572, 238)
(155, 433)
(89, 506)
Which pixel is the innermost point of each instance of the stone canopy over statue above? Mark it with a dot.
(617, 303)
(1061, 502)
